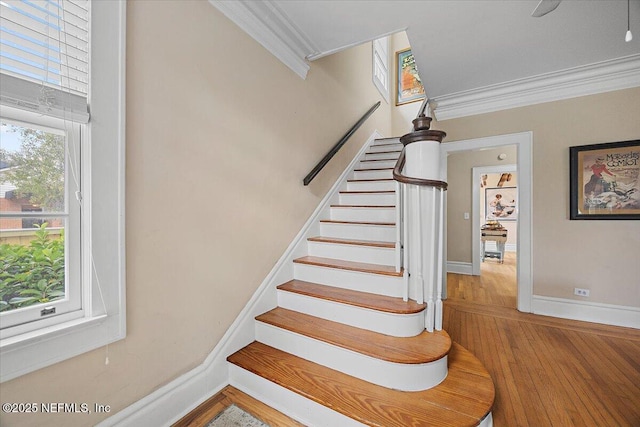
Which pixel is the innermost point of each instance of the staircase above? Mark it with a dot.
(343, 348)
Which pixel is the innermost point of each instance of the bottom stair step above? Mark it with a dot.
(464, 398)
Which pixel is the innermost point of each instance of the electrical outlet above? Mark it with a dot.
(581, 292)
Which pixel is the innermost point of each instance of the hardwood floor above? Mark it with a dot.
(547, 371)
(496, 284)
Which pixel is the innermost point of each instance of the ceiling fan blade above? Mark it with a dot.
(544, 7)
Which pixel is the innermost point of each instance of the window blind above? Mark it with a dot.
(44, 56)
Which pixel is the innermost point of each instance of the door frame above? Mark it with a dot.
(524, 143)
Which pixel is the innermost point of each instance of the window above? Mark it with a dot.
(381, 66)
(50, 76)
(40, 259)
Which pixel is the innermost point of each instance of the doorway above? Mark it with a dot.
(523, 143)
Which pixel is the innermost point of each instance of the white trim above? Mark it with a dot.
(318, 55)
(475, 210)
(458, 267)
(605, 76)
(270, 27)
(524, 141)
(173, 401)
(607, 314)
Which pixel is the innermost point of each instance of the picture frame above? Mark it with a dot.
(604, 181)
(501, 203)
(409, 87)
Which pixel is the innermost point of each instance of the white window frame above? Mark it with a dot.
(104, 318)
(22, 320)
(380, 66)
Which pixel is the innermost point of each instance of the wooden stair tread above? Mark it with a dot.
(383, 152)
(372, 243)
(424, 348)
(387, 270)
(334, 221)
(372, 169)
(377, 160)
(364, 206)
(369, 192)
(369, 180)
(464, 398)
(371, 301)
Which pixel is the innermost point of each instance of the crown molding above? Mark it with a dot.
(606, 76)
(270, 27)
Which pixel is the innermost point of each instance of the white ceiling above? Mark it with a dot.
(462, 45)
(466, 50)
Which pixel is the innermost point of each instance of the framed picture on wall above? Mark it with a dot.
(501, 203)
(408, 84)
(604, 181)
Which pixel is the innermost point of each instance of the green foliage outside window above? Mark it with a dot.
(32, 274)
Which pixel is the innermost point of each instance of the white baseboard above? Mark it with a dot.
(607, 314)
(460, 267)
(174, 400)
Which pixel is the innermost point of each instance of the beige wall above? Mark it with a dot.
(603, 256)
(459, 196)
(219, 136)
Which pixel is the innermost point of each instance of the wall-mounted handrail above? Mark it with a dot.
(339, 144)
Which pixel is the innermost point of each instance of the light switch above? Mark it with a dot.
(466, 215)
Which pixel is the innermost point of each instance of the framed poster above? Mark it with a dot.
(408, 84)
(605, 181)
(500, 203)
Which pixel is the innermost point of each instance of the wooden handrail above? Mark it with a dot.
(339, 144)
(398, 176)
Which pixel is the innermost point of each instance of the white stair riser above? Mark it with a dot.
(368, 199)
(405, 377)
(377, 164)
(371, 185)
(385, 233)
(385, 147)
(284, 400)
(373, 174)
(346, 279)
(383, 155)
(397, 325)
(356, 253)
(384, 141)
(363, 214)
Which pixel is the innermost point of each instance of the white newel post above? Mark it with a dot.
(423, 213)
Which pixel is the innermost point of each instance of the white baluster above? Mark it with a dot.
(440, 262)
(398, 226)
(419, 246)
(432, 275)
(405, 240)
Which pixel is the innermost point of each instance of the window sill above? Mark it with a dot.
(28, 352)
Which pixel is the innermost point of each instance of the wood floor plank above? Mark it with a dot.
(423, 348)
(377, 302)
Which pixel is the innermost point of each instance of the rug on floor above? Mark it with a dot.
(233, 416)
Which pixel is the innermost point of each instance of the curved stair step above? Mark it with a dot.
(464, 398)
(409, 364)
(424, 348)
